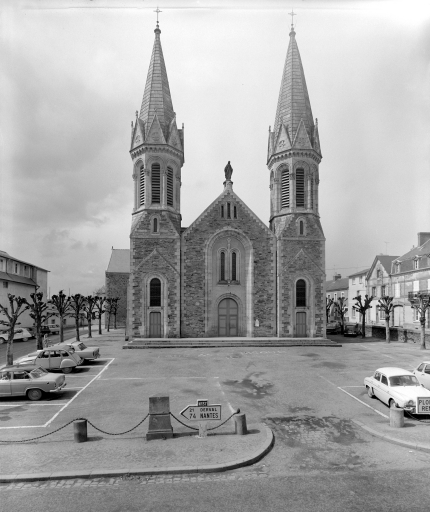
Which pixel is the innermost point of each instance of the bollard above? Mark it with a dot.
(240, 424)
(397, 417)
(80, 431)
(159, 418)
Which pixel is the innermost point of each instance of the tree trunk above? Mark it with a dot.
(77, 328)
(363, 326)
(39, 344)
(61, 330)
(114, 321)
(108, 325)
(387, 329)
(423, 332)
(90, 335)
(100, 322)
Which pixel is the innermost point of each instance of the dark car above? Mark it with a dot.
(351, 331)
(333, 328)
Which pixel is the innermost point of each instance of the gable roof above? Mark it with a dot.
(360, 273)
(339, 284)
(385, 262)
(422, 250)
(119, 261)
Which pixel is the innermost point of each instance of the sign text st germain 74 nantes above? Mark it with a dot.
(202, 411)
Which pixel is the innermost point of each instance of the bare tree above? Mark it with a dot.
(62, 304)
(99, 306)
(341, 306)
(109, 309)
(386, 306)
(77, 304)
(328, 305)
(90, 303)
(39, 313)
(421, 303)
(362, 307)
(115, 310)
(17, 306)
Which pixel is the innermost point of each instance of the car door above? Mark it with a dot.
(5, 389)
(43, 359)
(377, 384)
(19, 382)
(384, 389)
(54, 359)
(419, 374)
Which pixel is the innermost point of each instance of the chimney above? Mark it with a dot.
(423, 237)
(336, 277)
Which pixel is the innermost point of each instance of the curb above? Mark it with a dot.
(105, 473)
(393, 440)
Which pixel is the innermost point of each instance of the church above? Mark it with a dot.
(227, 274)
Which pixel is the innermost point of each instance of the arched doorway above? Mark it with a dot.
(227, 318)
(300, 324)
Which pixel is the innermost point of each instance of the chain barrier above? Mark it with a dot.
(425, 422)
(213, 428)
(77, 419)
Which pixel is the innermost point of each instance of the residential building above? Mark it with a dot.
(357, 285)
(378, 285)
(335, 289)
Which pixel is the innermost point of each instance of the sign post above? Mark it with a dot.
(202, 412)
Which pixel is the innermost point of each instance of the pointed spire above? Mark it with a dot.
(156, 98)
(293, 101)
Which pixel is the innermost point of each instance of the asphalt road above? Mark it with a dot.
(321, 460)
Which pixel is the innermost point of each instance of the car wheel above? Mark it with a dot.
(68, 369)
(2, 340)
(392, 403)
(34, 394)
(25, 339)
(370, 392)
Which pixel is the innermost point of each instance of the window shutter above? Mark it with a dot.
(169, 186)
(300, 188)
(155, 183)
(285, 189)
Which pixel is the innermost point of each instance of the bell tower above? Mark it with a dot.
(294, 155)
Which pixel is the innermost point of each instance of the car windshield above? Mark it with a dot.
(82, 346)
(404, 380)
(38, 372)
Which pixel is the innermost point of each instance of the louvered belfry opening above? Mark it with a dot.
(234, 266)
(155, 183)
(301, 293)
(142, 187)
(285, 189)
(169, 186)
(155, 293)
(222, 269)
(300, 188)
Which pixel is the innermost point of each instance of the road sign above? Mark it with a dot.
(423, 405)
(202, 411)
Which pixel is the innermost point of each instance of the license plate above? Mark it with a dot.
(423, 405)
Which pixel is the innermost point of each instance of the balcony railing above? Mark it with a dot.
(413, 296)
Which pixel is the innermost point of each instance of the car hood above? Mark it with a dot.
(411, 392)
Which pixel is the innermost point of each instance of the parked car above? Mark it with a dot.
(53, 358)
(396, 387)
(333, 328)
(87, 353)
(351, 331)
(29, 380)
(54, 328)
(422, 373)
(24, 335)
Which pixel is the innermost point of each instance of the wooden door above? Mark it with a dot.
(227, 318)
(301, 324)
(155, 324)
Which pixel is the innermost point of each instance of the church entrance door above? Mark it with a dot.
(155, 324)
(301, 324)
(227, 318)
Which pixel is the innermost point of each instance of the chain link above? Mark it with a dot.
(72, 421)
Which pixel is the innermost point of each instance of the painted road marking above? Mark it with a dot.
(151, 378)
(228, 403)
(64, 405)
(30, 405)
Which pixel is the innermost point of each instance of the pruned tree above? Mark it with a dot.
(115, 310)
(362, 307)
(100, 308)
(109, 308)
(328, 305)
(39, 312)
(62, 305)
(77, 305)
(386, 307)
(341, 306)
(17, 306)
(90, 303)
(421, 303)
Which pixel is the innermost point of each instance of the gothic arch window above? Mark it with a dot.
(169, 190)
(155, 293)
(222, 266)
(156, 183)
(285, 188)
(300, 188)
(228, 210)
(301, 228)
(234, 212)
(311, 192)
(222, 211)
(155, 224)
(301, 293)
(142, 186)
(234, 266)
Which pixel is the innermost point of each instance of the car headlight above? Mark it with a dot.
(410, 403)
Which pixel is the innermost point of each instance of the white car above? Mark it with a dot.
(24, 335)
(398, 387)
(422, 373)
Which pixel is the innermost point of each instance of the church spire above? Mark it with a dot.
(293, 101)
(157, 100)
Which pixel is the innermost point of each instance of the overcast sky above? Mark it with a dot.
(73, 74)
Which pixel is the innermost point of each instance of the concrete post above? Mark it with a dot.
(397, 417)
(80, 431)
(159, 426)
(240, 424)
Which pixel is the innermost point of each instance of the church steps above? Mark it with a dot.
(145, 343)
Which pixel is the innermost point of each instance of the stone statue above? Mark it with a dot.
(228, 170)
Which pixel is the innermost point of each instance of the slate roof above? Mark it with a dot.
(340, 284)
(360, 273)
(119, 262)
(422, 250)
(4, 254)
(13, 278)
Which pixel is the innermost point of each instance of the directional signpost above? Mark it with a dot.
(202, 412)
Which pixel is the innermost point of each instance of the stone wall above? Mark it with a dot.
(396, 334)
(116, 286)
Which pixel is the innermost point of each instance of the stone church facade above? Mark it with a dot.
(227, 274)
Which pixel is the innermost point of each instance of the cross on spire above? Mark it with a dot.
(157, 10)
(292, 14)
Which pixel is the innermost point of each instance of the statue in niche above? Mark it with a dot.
(228, 170)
